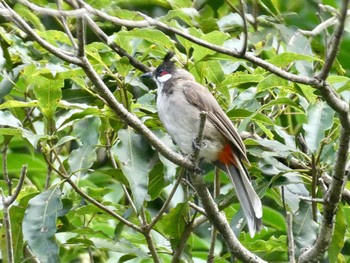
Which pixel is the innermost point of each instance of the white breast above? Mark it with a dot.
(181, 120)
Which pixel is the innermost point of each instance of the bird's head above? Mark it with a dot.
(164, 71)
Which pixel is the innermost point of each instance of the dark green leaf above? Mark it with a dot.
(133, 154)
(39, 225)
(305, 230)
(81, 159)
(320, 119)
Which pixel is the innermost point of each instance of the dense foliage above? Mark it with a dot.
(83, 166)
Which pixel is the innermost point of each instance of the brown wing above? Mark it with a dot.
(205, 101)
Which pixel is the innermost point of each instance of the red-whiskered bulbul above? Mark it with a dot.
(180, 99)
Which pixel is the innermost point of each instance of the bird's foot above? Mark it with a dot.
(197, 147)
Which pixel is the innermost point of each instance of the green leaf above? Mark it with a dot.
(239, 78)
(274, 219)
(282, 101)
(48, 92)
(133, 153)
(19, 104)
(173, 223)
(270, 82)
(27, 14)
(81, 159)
(175, 4)
(156, 181)
(320, 119)
(86, 130)
(214, 37)
(169, 167)
(210, 70)
(284, 59)
(39, 225)
(338, 236)
(305, 230)
(151, 35)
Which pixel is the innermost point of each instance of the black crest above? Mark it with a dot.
(167, 65)
(168, 56)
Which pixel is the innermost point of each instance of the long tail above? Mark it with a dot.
(249, 200)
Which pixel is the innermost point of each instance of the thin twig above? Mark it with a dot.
(245, 29)
(19, 186)
(147, 234)
(7, 202)
(4, 165)
(291, 245)
(63, 20)
(335, 42)
(8, 231)
(115, 166)
(80, 32)
(216, 218)
(312, 200)
(66, 177)
(167, 201)
(183, 240)
(211, 253)
(64, 55)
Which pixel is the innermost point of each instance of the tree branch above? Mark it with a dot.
(332, 200)
(335, 42)
(291, 244)
(66, 56)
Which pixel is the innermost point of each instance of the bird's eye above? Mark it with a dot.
(161, 72)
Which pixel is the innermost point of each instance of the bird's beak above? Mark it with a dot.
(147, 75)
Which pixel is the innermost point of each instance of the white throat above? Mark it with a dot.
(164, 78)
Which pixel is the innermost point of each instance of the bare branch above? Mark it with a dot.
(331, 202)
(105, 39)
(28, 30)
(64, 175)
(80, 29)
(319, 28)
(335, 42)
(113, 19)
(291, 250)
(167, 201)
(13, 197)
(4, 166)
(79, 12)
(199, 138)
(65, 25)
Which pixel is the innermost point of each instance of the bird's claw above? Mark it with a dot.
(198, 147)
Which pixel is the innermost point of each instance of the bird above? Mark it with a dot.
(180, 100)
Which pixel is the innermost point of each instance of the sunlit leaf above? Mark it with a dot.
(338, 236)
(285, 58)
(48, 92)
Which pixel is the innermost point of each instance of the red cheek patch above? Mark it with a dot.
(163, 73)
